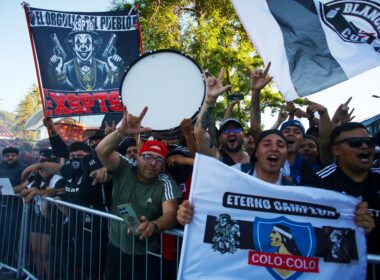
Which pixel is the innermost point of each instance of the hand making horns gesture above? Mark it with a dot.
(131, 125)
(259, 78)
(214, 86)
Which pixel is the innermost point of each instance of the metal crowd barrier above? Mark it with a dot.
(53, 239)
(11, 208)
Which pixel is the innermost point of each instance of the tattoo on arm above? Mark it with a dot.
(206, 118)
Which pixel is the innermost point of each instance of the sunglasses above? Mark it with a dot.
(357, 142)
(234, 130)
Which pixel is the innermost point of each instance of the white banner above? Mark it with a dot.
(244, 228)
(312, 44)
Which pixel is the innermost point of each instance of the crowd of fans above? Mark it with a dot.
(124, 165)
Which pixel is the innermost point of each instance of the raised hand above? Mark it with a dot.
(214, 87)
(300, 113)
(313, 107)
(282, 115)
(48, 123)
(259, 78)
(185, 126)
(131, 125)
(342, 114)
(108, 129)
(290, 107)
(188, 135)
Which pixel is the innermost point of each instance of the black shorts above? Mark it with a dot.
(39, 224)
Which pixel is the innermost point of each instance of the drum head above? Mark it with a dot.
(169, 83)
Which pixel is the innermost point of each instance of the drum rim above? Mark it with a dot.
(148, 53)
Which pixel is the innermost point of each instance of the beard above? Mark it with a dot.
(10, 163)
(237, 148)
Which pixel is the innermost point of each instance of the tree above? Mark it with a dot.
(8, 119)
(210, 32)
(25, 109)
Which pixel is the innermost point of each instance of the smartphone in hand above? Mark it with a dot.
(129, 215)
(237, 96)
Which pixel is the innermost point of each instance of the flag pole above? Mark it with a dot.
(139, 28)
(26, 9)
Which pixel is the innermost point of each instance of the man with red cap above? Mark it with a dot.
(153, 196)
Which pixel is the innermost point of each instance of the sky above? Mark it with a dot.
(18, 73)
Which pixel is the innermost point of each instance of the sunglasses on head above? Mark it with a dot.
(234, 130)
(357, 142)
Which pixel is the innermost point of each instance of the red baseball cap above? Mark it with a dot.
(154, 146)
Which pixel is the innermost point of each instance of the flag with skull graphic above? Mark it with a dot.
(82, 57)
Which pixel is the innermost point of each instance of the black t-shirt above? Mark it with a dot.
(79, 189)
(225, 158)
(333, 178)
(37, 181)
(59, 147)
(13, 172)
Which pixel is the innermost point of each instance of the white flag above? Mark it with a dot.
(313, 44)
(245, 228)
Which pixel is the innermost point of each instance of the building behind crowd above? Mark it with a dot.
(372, 124)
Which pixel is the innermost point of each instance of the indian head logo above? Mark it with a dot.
(353, 21)
(286, 248)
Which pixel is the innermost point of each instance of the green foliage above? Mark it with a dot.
(210, 32)
(8, 119)
(25, 109)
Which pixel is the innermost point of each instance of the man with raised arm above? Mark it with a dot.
(230, 131)
(231, 151)
(153, 196)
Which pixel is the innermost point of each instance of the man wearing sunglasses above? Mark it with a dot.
(352, 173)
(232, 140)
(230, 131)
(153, 196)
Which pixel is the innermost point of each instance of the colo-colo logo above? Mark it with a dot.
(284, 247)
(354, 21)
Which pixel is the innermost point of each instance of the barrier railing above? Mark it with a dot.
(53, 239)
(10, 228)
